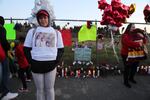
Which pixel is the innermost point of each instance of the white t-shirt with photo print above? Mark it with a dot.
(44, 42)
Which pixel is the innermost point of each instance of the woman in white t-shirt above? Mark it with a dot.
(43, 48)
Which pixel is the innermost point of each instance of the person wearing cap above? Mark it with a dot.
(89, 24)
(4, 90)
(130, 39)
(44, 48)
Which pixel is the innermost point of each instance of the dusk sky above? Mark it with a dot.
(68, 9)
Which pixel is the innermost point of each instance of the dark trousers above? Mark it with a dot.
(23, 74)
(130, 69)
(12, 66)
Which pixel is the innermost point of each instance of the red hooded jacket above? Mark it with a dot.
(127, 42)
(22, 61)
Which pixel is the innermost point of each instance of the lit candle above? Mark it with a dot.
(79, 73)
(145, 69)
(62, 72)
(93, 73)
(98, 72)
(65, 73)
(89, 73)
(71, 73)
(148, 69)
(76, 73)
(138, 69)
(119, 71)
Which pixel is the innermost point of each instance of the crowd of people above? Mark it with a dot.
(38, 54)
(4, 89)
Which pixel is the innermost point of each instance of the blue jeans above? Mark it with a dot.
(5, 76)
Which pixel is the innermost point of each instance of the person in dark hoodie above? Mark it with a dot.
(6, 94)
(44, 47)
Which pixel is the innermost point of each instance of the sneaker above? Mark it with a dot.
(9, 96)
(23, 90)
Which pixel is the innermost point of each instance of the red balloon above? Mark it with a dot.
(118, 24)
(118, 18)
(108, 11)
(104, 22)
(146, 13)
(114, 14)
(124, 9)
(146, 10)
(102, 4)
(107, 18)
(116, 0)
(112, 22)
(115, 5)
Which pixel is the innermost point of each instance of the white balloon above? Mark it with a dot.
(38, 5)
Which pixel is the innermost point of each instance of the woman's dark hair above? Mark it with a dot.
(21, 39)
(138, 30)
(2, 21)
(128, 28)
(42, 12)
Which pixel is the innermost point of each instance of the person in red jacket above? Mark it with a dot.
(5, 91)
(23, 65)
(130, 39)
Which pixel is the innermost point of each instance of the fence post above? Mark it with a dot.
(11, 20)
(96, 45)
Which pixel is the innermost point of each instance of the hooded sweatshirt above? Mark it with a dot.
(3, 40)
